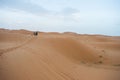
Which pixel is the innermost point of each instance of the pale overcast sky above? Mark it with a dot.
(81, 16)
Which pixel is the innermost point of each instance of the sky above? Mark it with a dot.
(80, 16)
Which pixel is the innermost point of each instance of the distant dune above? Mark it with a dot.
(58, 56)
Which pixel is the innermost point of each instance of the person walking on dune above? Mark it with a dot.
(35, 33)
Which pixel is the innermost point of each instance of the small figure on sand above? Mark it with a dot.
(35, 33)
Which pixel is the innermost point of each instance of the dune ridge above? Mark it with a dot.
(58, 56)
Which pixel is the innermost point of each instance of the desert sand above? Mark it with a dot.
(58, 56)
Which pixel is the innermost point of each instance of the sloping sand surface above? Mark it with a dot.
(58, 56)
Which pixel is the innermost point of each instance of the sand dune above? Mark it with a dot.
(58, 56)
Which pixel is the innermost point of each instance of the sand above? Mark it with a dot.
(58, 56)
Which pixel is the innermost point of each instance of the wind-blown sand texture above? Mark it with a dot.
(58, 56)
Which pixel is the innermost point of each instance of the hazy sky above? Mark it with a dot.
(81, 16)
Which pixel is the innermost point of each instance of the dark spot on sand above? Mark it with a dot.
(116, 65)
(1, 53)
(83, 62)
(103, 51)
(100, 62)
(101, 56)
